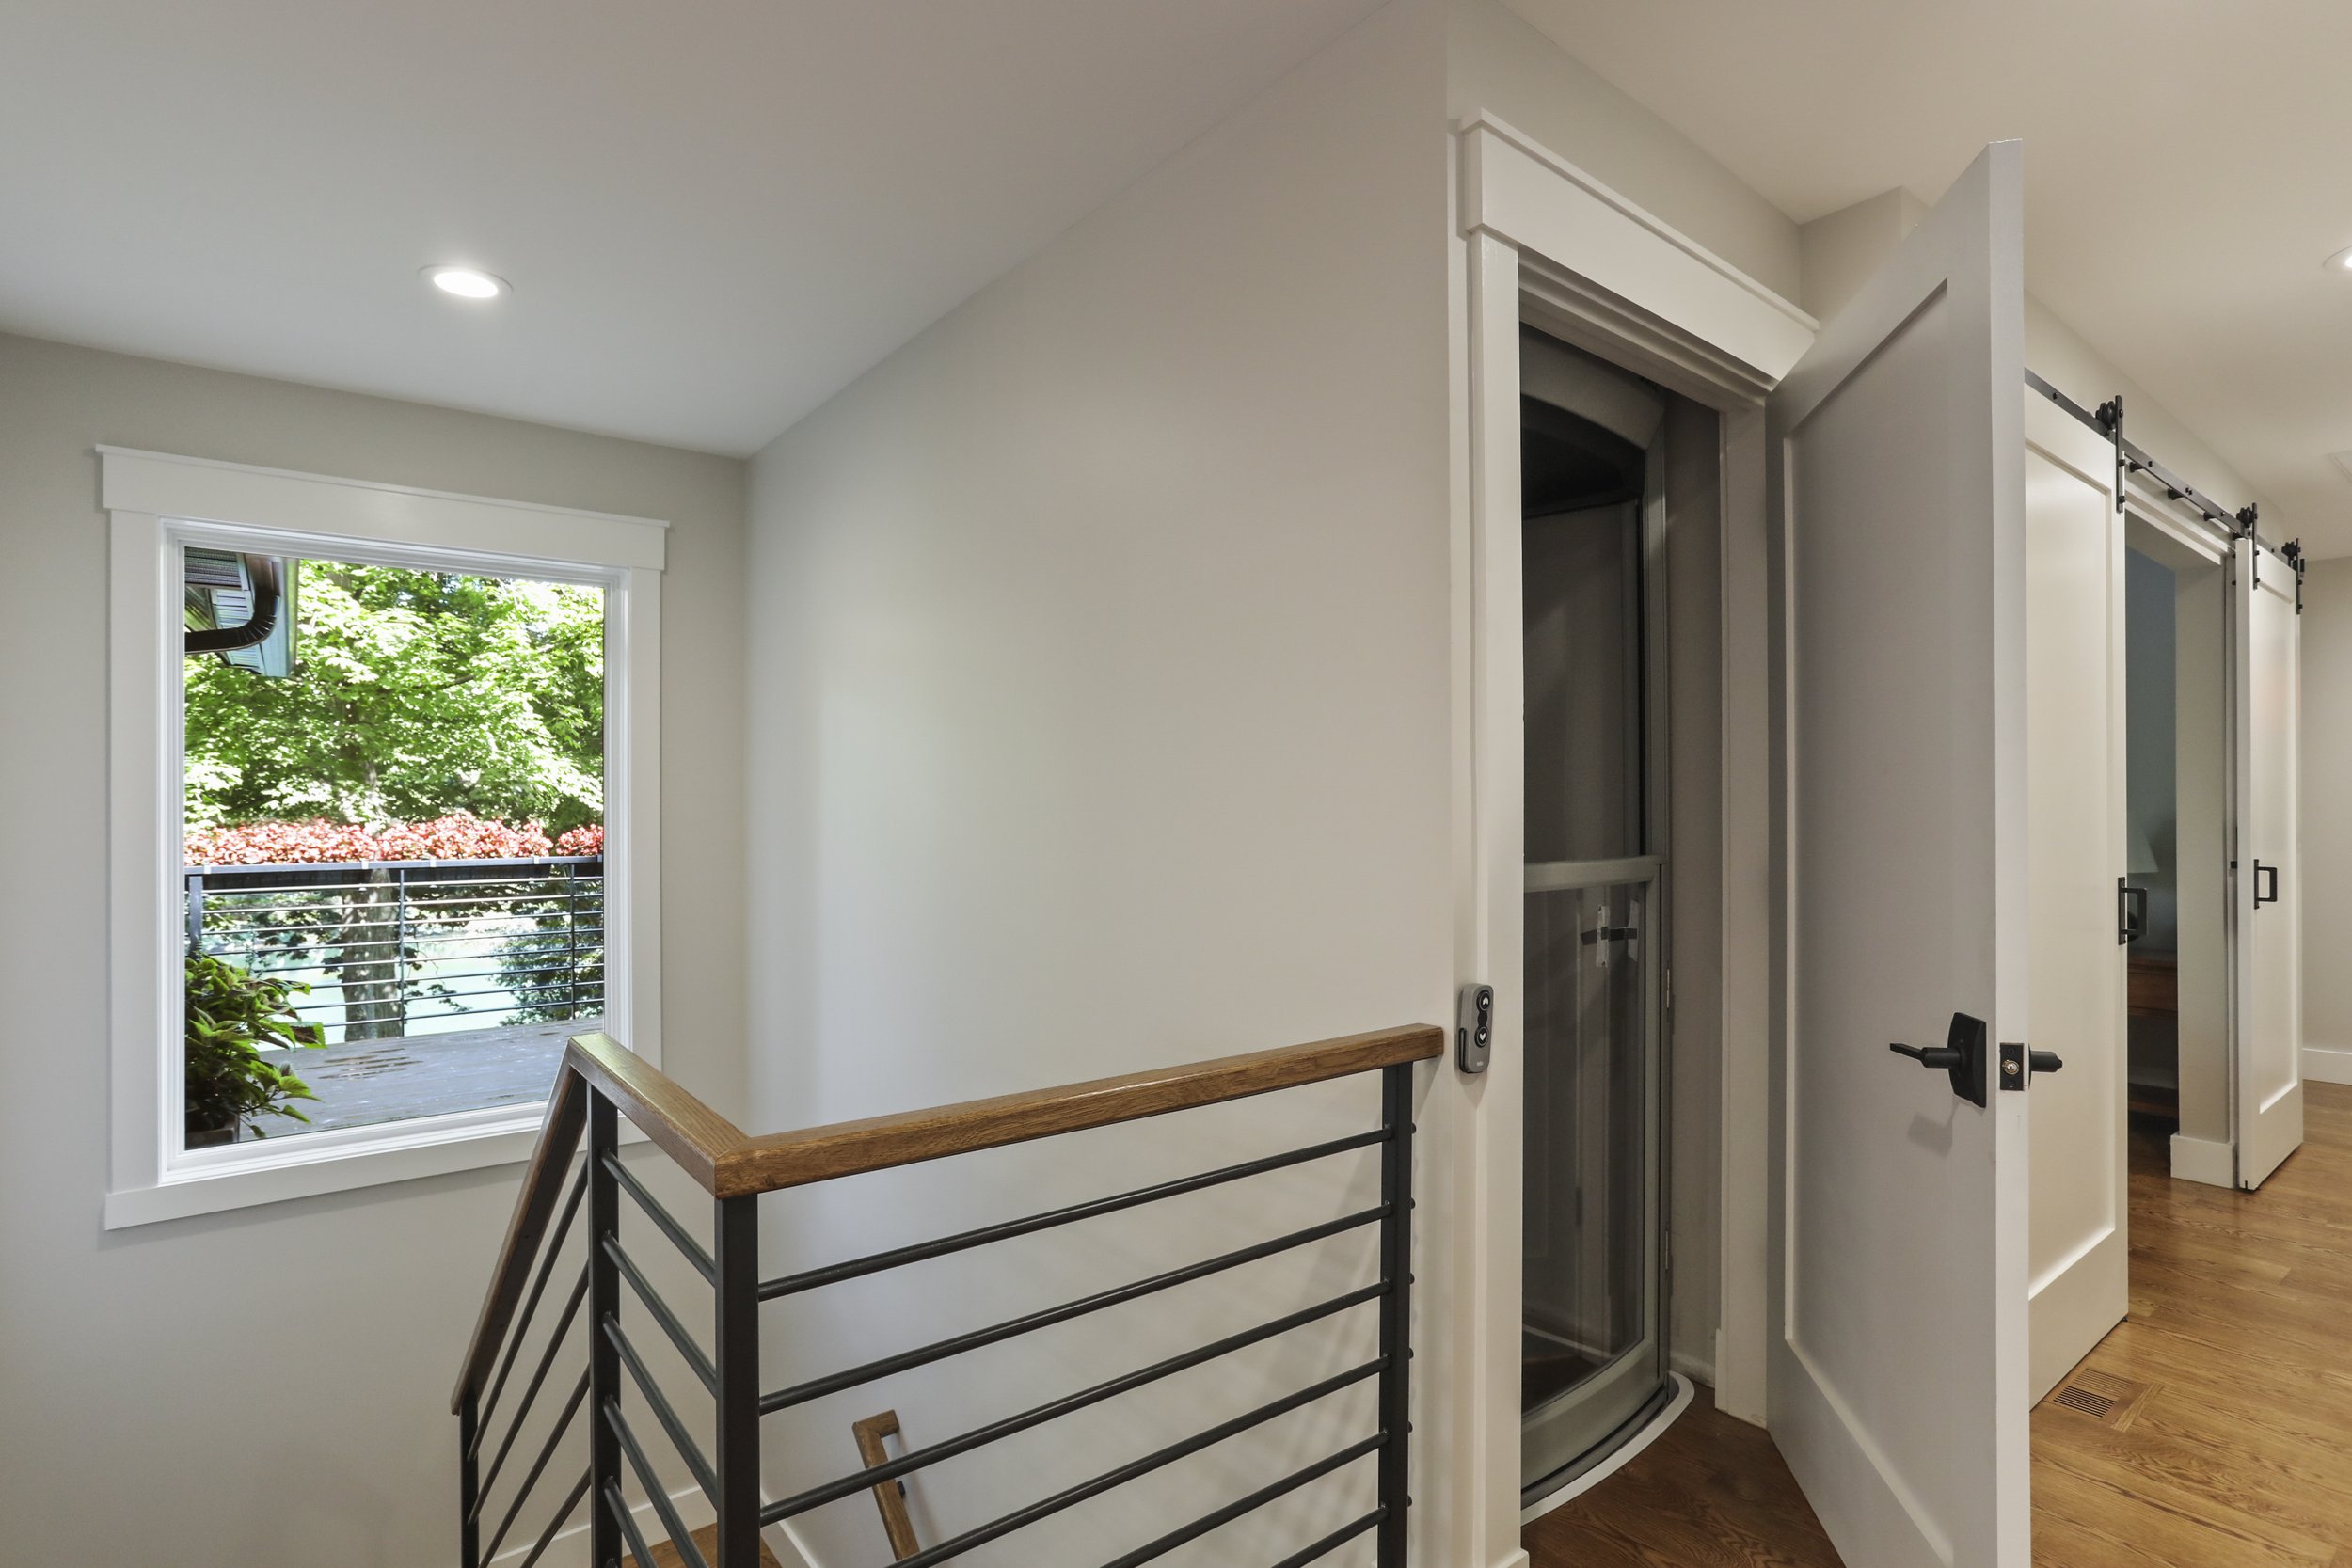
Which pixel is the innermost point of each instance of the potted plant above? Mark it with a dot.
(232, 1015)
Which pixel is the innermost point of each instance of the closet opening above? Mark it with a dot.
(2175, 900)
(1613, 470)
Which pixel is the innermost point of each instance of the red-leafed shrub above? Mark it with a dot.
(459, 836)
(586, 839)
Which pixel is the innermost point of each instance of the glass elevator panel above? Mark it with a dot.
(1592, 1350)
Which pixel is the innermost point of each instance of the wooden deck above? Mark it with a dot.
(364, 1083)
(2240, 1455)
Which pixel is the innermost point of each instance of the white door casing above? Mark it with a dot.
(2076, 837)
(1540, 236)
(2268, 931)
(1898, 1388)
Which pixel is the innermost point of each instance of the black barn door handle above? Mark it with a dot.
(2134, 921)
(2259, 872)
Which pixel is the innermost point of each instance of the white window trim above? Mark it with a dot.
(155, 503)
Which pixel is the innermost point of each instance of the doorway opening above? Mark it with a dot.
(1609, 462)
(2176, 891)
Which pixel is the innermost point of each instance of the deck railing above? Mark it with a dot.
(386, 945)
(600, 1082)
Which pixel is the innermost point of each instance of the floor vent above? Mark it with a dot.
(2110, 1400)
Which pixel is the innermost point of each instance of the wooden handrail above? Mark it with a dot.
(779, 1160)
(726, 1163)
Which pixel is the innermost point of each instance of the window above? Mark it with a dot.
(384, 824)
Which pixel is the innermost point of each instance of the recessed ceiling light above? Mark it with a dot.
(2340, 261)
(465, 283)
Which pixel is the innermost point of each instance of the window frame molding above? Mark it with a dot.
(158, 502)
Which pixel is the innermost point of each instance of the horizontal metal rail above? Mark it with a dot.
(939, 1349)
(546, 1452)
(663, 1411)
(918, 1252)
(684, 1342)
(981, 1535)
(530, 1393)
(552, 937)
(891, 1470)
(564, 1511)
(663, 1220)
(1334, 1541)
(553, 1244)
(658, 1495)
(640, 1554)
(1249, 1504)
(463, 862)
(389, 942)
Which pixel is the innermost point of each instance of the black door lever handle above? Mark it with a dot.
(1961, 1056)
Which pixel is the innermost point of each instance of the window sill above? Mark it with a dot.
(246, 1175)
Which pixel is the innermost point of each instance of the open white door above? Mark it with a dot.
(2265, 894)
(2076, 844)
(1899, 1389)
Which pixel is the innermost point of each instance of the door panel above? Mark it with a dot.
(1898, 1393)
(2075, 813)
(2267, 897)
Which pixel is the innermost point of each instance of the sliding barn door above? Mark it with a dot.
(1899, 1389)
(2265, 893)
(2076, 844)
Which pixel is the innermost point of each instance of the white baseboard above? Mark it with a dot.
(1698, 1369)
(569, 1549)
(2204, 1160)
(2327, 1064)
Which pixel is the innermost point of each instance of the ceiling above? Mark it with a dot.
(2185, 173)
(714, 213)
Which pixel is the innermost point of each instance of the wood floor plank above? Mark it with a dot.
(2241, 1457)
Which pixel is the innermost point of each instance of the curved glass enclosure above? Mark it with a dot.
(1593, 1358)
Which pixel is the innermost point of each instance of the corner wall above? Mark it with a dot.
(268, 1387)
(2327, 828)
(1101, 697)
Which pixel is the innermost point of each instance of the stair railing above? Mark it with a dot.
(601, 1081)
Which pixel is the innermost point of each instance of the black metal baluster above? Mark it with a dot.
(735, 1232)
(1396, 1328)
(469, 1483)
(604, 1304)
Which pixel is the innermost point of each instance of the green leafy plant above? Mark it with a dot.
(232, 1015)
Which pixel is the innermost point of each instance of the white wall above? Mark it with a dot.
(2327, 827)
(1498, 62)
(1100, 693)
(1101, 699)
(268, 1387)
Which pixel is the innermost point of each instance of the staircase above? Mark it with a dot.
(573, 1191)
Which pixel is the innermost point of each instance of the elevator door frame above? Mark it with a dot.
(1545, 1466)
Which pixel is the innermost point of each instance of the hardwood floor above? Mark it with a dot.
(2239, 1456)
(1710, 1493)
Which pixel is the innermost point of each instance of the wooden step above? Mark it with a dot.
(706, 1540)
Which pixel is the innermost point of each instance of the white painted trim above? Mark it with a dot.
(2205, 1159)
(203, 489)
(150, 1178)
(1515, 189)
(2327, 1064)
(1531, 224)
(1625, 1454)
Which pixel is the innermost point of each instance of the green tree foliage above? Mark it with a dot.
(416, 693)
